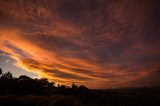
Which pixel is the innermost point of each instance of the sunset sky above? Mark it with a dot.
(96, 43)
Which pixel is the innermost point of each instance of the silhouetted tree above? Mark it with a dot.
(7, 75)
(0, 71)
(83, 88)
(25, 85)
(83, 91)
(44, 82)
(74, 87)
(24, 77)
(63, 86)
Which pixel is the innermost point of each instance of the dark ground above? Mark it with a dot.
(25, 91)
(126, 97)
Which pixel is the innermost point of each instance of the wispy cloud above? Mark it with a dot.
(97, 43)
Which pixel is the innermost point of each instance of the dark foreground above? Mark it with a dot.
(25, 91)
(130, 97)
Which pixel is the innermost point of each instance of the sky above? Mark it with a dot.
(96, 43)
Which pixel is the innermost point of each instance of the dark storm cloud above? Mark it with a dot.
(99, 43)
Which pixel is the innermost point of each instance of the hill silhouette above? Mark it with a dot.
(26, 91)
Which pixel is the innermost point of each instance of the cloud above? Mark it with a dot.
(98, 43)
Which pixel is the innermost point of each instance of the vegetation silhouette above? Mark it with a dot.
(24, 85)
(0, 71)
(26, 91)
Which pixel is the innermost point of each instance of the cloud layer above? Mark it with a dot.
(98, 43)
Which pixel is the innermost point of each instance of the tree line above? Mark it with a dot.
(24, 85)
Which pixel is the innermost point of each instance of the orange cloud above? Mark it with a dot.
(101, 44)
